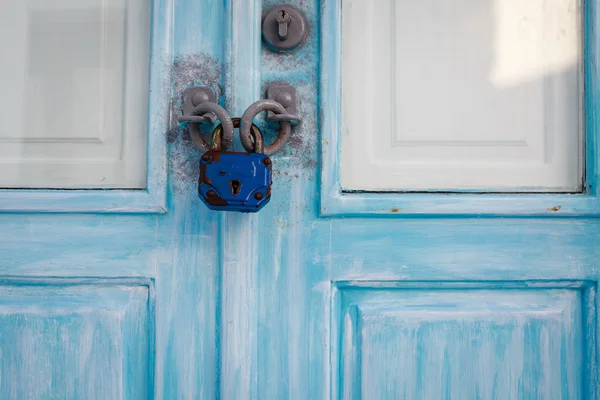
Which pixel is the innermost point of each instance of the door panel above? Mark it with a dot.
(75, 93)
(337, 200)
(468, 95)
(340, 279)
(96, 237)
(462, 340)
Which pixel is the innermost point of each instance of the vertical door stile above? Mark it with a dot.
(239, 232)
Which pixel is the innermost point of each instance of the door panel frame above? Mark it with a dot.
(337, 202)
(346, 346)
(150, 200)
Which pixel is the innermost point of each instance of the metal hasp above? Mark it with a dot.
(287, 96)
(284, 28)
(235, 181)
(193, 97)
(200, 107)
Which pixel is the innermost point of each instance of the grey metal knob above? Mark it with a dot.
(284, 28)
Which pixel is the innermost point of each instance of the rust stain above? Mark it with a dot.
(325, 141)
(555, 208)
(395, 210)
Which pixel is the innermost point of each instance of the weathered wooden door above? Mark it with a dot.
(460, 262)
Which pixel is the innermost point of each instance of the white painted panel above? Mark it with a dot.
(462, 95)
(73, 104)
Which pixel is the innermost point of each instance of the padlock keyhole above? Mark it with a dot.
(235, 186)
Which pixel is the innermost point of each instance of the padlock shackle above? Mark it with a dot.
(258, 141)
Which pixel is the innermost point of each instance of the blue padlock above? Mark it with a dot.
(235, 181)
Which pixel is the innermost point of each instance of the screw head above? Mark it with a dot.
(211, 193)
(258, 196)
(267, 161)
(205, 157)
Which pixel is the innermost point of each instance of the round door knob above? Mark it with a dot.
(284, 28)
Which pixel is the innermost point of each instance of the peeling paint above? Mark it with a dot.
(172, 134)
(195, 69)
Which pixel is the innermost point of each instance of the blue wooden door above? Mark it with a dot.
(324, 294)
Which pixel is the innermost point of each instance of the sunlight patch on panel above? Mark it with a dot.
(523, 51)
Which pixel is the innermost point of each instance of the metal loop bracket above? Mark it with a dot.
(255, 108)
(226, 138)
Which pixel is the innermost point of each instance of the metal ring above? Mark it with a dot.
(258, 144)
(284, 127)
(222, 115)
